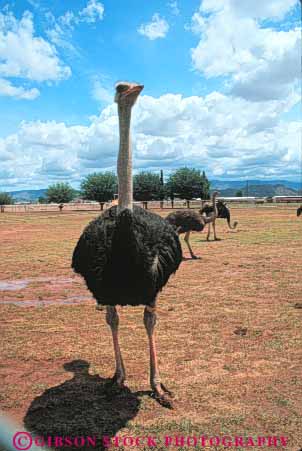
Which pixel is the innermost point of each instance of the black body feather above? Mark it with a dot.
(299, 211)
(186, 221)
(127, 258)
(222, 210)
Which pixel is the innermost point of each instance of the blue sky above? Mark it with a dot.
(221, 87)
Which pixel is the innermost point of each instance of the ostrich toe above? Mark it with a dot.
(118, 380)
(163, 396)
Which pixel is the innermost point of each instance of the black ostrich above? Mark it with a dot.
(127, 254)
(223, 212)
(299, 210)
(187, 221)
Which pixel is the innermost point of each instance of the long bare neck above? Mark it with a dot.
(124, 162)
(214, 205)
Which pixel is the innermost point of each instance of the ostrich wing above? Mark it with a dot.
(186, 221)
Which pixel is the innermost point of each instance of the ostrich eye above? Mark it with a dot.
(121, 88)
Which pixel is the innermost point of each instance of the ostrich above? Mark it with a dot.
(223, 212)
(127, 254)
(187, 221)
(299, 210)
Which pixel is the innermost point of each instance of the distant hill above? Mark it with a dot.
(29, 195)
(259, 188)
(238, 184)
(260, 191)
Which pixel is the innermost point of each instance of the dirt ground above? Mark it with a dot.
(229, 336)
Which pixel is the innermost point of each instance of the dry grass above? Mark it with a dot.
(225, 383)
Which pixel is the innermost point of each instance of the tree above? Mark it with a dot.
(239, 193)
(100, 187)
(206, 186)
(188, 183)
(162, 193)
(147, 186)
(59, 193)
(6, 199)
(42, 200)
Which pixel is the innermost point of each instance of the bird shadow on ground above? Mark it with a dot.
(204, 240)
(190, 259)
(84, 406)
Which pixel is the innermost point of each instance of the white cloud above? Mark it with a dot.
(35, 4)
(7, 89)
(61, 29)
(227, 136)
(268, 9)
(24, 55)
(57, 167)
(94, 11)
(29, 57)
(157, 28)
(174, 7)
(261, 62)
(100, 91)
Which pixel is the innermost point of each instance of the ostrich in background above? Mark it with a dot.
(127, 254)
(187, 221)
(223, 212)
(299, 210)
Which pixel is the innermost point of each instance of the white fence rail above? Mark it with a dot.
(177, 204)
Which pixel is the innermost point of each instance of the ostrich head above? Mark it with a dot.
(126, 93)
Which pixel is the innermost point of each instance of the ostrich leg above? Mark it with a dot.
(214, 230)
(158, 388)
(209, 231)
(186, 238)
(215, 236)
(112, 319)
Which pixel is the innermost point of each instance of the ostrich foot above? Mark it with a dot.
(194, 257)
(217, 239)
(163, 396)
(118, 380)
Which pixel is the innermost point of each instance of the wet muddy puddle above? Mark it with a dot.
(20, 284)
(40, 303)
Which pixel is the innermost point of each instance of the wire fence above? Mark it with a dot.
(150, 205)
(93, 206)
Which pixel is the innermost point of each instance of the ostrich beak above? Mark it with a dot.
(135, 89)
